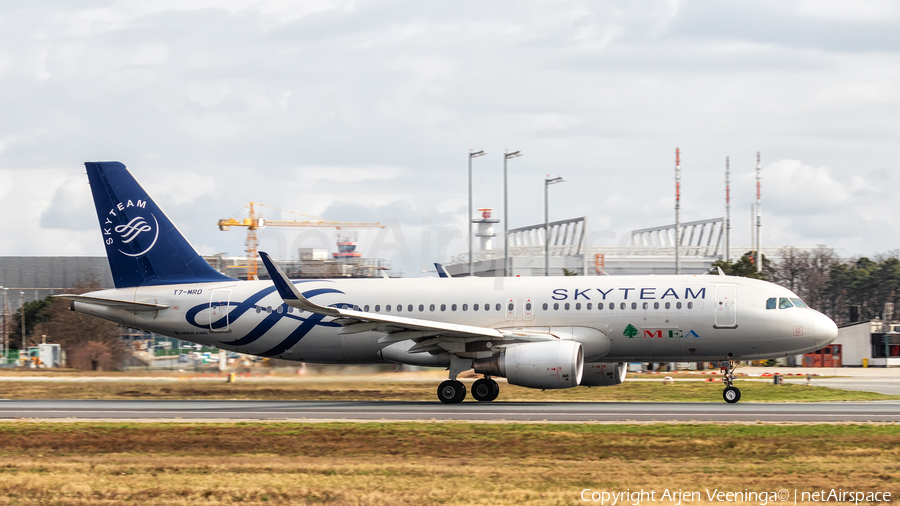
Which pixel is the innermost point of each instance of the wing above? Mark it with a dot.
(428, 334)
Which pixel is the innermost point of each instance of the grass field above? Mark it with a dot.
(367, 389)
(428, 463)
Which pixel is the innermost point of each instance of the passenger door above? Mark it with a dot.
(218, 310)
(726, 306)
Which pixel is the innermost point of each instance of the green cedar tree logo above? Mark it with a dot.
(630, 331)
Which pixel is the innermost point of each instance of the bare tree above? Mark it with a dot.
(90, 343)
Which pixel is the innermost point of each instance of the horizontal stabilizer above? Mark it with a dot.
(113, 303)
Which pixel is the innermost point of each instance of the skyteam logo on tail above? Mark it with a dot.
(139, 228)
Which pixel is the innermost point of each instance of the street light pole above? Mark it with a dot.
(506, 156)
(471, 156)
(547, 183)
(22, 310)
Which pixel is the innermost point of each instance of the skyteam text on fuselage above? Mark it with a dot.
(548, 333)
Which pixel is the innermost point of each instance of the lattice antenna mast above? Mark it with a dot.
(727, 209)
(677, 211)
(758, 212)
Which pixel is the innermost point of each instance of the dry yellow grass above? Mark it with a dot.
(413, 464)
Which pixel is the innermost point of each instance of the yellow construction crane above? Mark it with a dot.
(255, 222)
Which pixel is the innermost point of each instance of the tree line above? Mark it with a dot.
(89, 343)
(826, 282)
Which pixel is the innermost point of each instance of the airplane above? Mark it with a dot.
(540, 332)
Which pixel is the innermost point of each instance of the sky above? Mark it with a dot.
(366, 111)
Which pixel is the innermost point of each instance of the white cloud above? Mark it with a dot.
(331, 104)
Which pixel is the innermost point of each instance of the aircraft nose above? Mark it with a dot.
(826, 331)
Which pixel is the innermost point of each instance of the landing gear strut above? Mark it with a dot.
(485, 389)
(731, 394)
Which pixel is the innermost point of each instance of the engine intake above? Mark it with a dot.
(546, 364)
(604, 374)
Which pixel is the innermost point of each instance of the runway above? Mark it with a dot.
(147, 410)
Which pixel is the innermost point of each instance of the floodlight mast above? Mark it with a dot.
(506, 156)
(547, 183)
(471, 156)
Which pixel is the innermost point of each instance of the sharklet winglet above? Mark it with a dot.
(289, 293)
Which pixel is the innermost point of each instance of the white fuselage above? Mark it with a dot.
(646, 318)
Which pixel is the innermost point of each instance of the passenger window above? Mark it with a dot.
(475, 307)
(556, 306)
(668, 305)
(546, 306)
(677, 305)
(421, 307)
(599, 305)
(258, 309)
(798, 302)
(269, 309)
(431, 308)
(443, 307)
(388, 308)
(497, 307)
(366, 309)
(622, 305)
(487, 307)
(377, 308)
(634, 305)
(612, 305)
(278, 310)
(453, 307)
(784, 303)
(578, 305)
(567, 306)
(646, 305)
(588, 307)
(511, 307)
(690, 305)
(409, 308)
(656, 305)
(399, 307)
(290, 309)
(771, 303)
(527, 307)
(465, 307)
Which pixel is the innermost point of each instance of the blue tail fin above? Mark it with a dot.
(143, 247)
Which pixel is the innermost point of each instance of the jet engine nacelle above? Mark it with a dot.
(545, 364)
(604, 374)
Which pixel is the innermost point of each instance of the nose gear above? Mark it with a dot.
(731, 394)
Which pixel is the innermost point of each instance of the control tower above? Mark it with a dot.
(485, 230)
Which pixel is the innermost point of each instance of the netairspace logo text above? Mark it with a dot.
(630, 497)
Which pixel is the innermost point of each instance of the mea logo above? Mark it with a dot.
(137, 227)
(631, 331)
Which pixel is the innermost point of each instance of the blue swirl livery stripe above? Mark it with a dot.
(295, 336)
(272, 318)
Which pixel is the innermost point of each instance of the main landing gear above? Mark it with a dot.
(454, 391)
(485, 389)
(731, 394)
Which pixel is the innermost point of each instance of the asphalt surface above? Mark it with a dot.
(882, 411)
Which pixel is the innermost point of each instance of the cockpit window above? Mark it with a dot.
(784, 303)
(771, 303)
(798, 302)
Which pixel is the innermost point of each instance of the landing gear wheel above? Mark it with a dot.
(731, 395)
(485, 390)
(451, 392)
